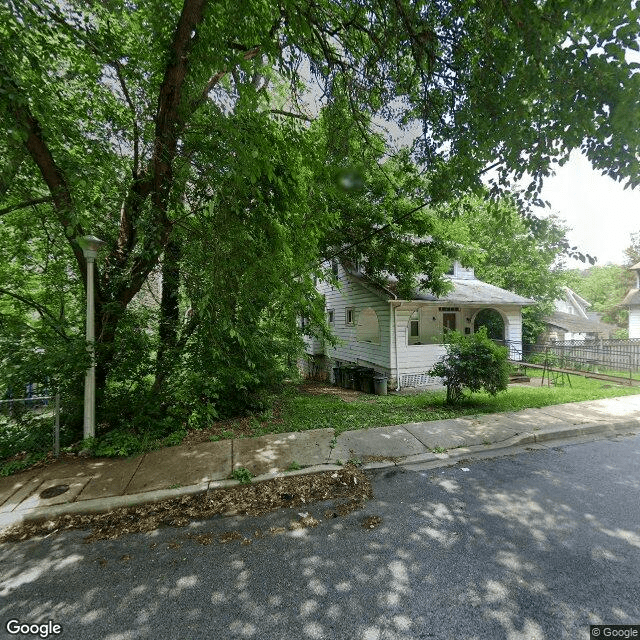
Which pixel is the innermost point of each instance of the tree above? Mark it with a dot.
(633, 250)
(513, 251)
(604, 287)
(129, 120)
(472, 362)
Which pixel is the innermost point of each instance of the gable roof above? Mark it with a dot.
(464, 291)
(575, 324)
(573, 296)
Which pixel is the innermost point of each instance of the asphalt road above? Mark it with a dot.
(532, 546)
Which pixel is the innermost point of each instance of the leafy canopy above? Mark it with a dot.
(180, 133)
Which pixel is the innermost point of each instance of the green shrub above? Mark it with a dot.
(472, 362)
(242, 475)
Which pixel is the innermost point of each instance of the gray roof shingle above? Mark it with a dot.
(576, 324)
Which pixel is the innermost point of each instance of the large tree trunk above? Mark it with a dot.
(152, 186)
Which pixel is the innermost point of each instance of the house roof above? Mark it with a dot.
(632, 298)
(465, 291)
(575, 324)
(578, 298)
(635, 266)
(475, 292)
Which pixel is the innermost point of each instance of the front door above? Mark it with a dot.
(449, 322)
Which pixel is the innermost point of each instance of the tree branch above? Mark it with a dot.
(300, 116)
(24, 205)
(215, 79)
(136, 135)
(41, 155)
(42, 311)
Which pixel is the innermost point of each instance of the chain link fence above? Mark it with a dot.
(29, 425)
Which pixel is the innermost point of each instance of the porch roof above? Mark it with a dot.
(475, 292)
(464, 291)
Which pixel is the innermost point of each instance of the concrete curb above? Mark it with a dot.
(452, 456)
(103, 505)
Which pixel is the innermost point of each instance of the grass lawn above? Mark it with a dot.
(301, 407)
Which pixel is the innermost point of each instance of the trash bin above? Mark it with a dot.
(366, 380)
(380, 385)
(348, 378)
(358, 378)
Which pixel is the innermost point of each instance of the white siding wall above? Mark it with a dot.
(394, 355)
(634, 322)
(313, 345)
(513, 330)
(463, 273)
(415, 359)
(354, 295)
(564, 307)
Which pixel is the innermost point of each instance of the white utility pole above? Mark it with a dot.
(90, 246)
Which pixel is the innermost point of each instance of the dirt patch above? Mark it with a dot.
(323, 389)
(366, 459)
(349, 484)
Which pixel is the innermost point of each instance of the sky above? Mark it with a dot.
(600, 212)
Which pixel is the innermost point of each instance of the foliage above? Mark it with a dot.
(633, 250)
(472, 362)
(180, 134)
(14, 466)
(301, 411)
(513, 251)
(242, 475)
(604, 287)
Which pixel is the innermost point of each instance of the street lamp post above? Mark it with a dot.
(90, 246)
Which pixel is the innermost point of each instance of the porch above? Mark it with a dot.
(420, 331)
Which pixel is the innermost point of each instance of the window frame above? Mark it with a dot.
(415, 317)
(352, 311)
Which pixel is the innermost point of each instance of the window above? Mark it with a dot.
(368, 329)
(414, 328)
(334, 267)
(330, 316)
(350, 316)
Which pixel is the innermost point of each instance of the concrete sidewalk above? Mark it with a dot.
(98, 485)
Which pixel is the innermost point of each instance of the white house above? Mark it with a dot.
(632, 302)
(400, 338)
(571, 320)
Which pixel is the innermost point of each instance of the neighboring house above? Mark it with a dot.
(403, 339)
(572, 321)
(632, 302)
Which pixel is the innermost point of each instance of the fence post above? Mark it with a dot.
(56, 432)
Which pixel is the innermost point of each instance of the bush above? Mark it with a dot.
(473, 362)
